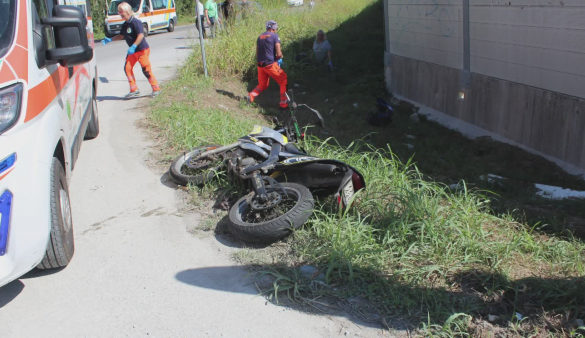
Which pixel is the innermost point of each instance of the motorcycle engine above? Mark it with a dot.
(246, 162)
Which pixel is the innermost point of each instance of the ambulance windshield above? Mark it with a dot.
(113, 9)
(7, 16)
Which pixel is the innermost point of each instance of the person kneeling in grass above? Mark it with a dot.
(322, 49)
(138, 50)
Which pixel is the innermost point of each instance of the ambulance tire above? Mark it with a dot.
(171, 25)
(145, 29)
(93, 126)
(60, 247)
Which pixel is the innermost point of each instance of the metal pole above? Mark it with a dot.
(466, 46)
(387, 51)
(201, 41)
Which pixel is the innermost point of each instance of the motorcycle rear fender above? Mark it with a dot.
(320, 173)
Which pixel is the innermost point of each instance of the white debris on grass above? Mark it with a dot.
(557, 193)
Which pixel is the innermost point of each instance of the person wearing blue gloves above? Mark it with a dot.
(269, 61)
(138, 50)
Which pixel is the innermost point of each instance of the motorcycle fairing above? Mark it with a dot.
(261, 132)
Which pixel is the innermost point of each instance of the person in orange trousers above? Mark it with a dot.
(269, 59)
(138, 50)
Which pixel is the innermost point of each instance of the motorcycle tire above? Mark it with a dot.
(182, 174)
(299, 208)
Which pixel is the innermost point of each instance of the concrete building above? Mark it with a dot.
(512, 69)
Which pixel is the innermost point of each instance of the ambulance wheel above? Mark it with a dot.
(108, 34)
(171, 26)
(60, 247)
(93, 126)
(145, 29)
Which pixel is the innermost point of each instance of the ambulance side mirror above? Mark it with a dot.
(71, 45)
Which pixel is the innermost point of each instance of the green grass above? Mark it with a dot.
(444, 258)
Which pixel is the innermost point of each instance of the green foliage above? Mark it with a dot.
(408, 244)
(234, 52)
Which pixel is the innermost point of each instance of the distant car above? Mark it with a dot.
(295, 2)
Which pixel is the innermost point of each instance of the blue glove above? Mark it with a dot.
(132, 50)
(105, 41)
(279, 62)
(330, 64)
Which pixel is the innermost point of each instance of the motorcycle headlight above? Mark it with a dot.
(10, 102)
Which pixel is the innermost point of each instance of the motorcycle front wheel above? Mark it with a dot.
(292, 206)
(193, 168)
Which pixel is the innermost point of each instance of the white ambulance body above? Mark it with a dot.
(154, 14)
(47, 107)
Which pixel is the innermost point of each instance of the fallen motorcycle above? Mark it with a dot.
(279, 178)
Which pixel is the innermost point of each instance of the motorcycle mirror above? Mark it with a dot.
(316, 112)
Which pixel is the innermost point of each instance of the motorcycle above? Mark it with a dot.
(280, 178)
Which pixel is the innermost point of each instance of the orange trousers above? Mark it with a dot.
(264, 75)
(142, 58)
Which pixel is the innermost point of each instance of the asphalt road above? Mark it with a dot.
(137, 270)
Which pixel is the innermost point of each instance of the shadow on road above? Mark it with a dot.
(110, 98)
(245, 279)
(9, 292)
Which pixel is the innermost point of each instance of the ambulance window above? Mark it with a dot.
(113, 10)
(159, 4)
(135, 4)
(7, 23)
(43, 8)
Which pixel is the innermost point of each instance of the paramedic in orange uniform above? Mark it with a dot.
(138, 50)
(269, 59)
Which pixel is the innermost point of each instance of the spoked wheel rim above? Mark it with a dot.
(277, 205)
(197, 165)
(65, 210)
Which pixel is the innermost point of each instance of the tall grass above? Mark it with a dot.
(412, 242)
(234, 52)
(407, 244)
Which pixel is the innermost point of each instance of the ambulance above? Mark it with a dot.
(154, 15)
(47, 108)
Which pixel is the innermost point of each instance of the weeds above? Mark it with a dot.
(411, 246)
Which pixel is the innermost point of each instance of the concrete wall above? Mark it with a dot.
(521, 64)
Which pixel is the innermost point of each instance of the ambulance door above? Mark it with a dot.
(52, 75)
(146, 16)
(159, 18)
(77, 93)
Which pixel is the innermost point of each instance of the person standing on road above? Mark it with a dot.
(269, 60)
(201, 19)
(138, 50)
(211, 16)
(227, 9)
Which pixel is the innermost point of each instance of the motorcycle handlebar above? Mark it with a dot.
(290, 98)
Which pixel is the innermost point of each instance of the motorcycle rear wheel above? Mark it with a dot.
(274, 223)
(192, 168)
